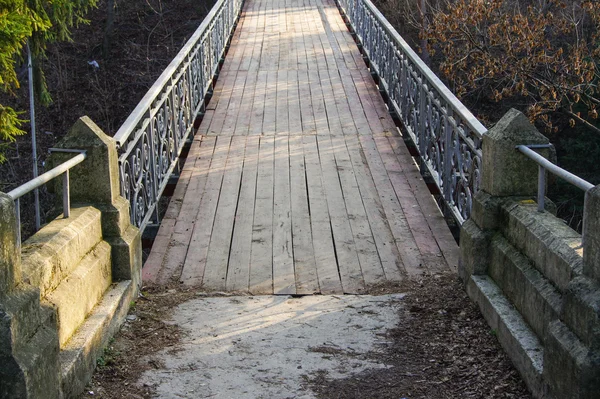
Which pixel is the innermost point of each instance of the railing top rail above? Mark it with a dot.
(128, 127)
(46, 177)
(466, 115)
(555, 169)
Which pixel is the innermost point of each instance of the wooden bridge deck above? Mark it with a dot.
(297, 181)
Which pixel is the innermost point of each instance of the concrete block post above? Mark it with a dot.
(591, 250)
(10, 255)
(505, 173)
(96, 182)
(29, 345)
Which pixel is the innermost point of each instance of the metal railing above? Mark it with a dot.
(62, 169)
(545, 165)
(152, 137)
(446, 133)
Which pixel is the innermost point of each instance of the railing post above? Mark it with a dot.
(96, 182)
(10, 249)
(506, 173)
(29, 347)
(591, 245)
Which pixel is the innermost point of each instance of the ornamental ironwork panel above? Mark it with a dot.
(152, 137)
(445, 132)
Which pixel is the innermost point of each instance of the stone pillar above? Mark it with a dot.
(96, 182)
(591, 249)
(572, 355)
(29, 347)
(10, 252)
(505, 173)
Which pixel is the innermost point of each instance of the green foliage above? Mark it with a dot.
(39, 22)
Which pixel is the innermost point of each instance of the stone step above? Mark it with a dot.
(516, 337)
(52, 253)
(534, 296)
(79, 292)
(553, 247)
(79, 356)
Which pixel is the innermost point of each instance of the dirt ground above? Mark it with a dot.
(442, 348)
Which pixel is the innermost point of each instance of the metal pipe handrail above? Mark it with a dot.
(556, 170)
(46, 177)
(545, 165)
(62, 169)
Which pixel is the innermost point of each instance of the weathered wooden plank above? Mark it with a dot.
(331, 111)
(233, 109)
(377, 103)
(294, 100)
(195, 262)
(218, 119)
(261, 263)
(258, 105)
(284, 280)
(215, 274)
(365, 238)
(428, 208)
(306, 106)
(356, 108)
(244, 114)
(327, 268)
(384, 239)
(238, 274)
(318, 103)
(304, 257)
(411, 244)
(182, 230)
(347, 256)
(270, 107)
(282, 125)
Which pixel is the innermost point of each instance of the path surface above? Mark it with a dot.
(297, 181)
(267, 347)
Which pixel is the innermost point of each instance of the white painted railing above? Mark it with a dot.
(153, 136)
(446, 133)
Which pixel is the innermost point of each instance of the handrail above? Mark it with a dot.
(153, 135)
(544, 165)
(448, 136)
(62, 169)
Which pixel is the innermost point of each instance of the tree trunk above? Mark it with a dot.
(424, 26)
(108, 29)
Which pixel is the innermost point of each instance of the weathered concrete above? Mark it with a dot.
(571, 369)
(77, 295)
(261, 347)
(551, 246)
(507, 172)
(515, 336)
(475, 243)
(10, 259)
(591, 253)
(95, 181)
(528, 271)
(528, 290)
(50, 255)
(581, 311)
(28, 339)
(79, 356)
